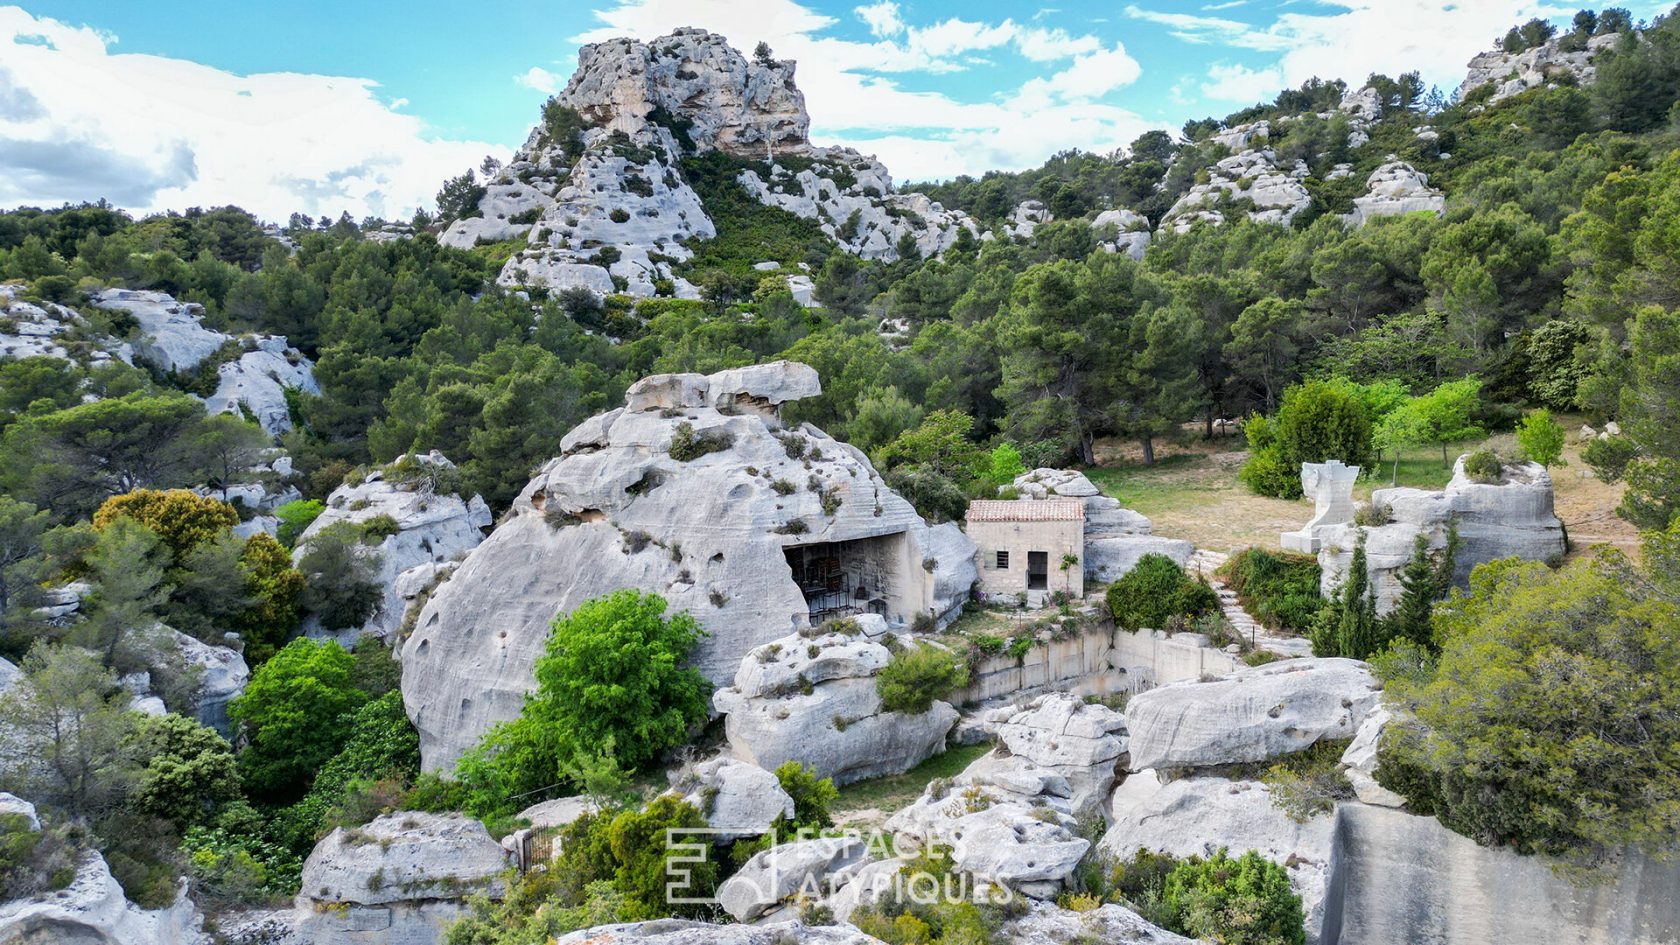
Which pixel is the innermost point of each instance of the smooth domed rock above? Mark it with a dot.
(432, 528)
(708, 529)
(1199, 816)
(813, 700)
(173, 334)
(812, 867)
(737, 799)
(256, 382)
(1395, 189)
(1108, 924)
(1253, 714)
(1081, 742)
(1510, 518)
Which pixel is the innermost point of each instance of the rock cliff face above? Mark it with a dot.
(1270, 192)
(1511, 517)
(45, 329)
(1395, 189)
(1515, 73)
(693, 490)
(93, 911)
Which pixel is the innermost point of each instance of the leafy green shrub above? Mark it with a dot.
(338, 572)
(239, 869)
(1484, 466)
(1241, 901)
(688, 445)
(297, 713)
(1317, 421)
(1155, 591)
(1278, 589)
(190, 770)
(1309, 782)
(378, 528)
(34, 861)
(1541, 438)
(918, 676)
(899, 919)
(382, 746)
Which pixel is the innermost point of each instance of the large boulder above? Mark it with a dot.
(1081, 742)
(93, 911)
(681, 932)
(256, 383)
(223, 679)
(1109, 924)
(1396, 189)
(1253, 714)
(401, 878)
(812, 699)
(1199, 816)
(670, 495)
(434, 527)
(1511, 517)
(738, 799)
(812, 868)
(1359, 760)
(172, 333)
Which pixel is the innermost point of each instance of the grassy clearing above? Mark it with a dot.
(1193, 492)
(893, 792)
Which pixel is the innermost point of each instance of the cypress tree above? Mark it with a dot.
(1420, 583)
(1360, 633)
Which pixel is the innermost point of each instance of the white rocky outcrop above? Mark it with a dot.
(1199, 816)
(173, 336)
(1253, 714)
(30, 329)
(223, 679)
(434, 531)
(1359, 761)
(1276, 193)
(256, 382)
(1131, 234)
(93, 911)
(1081, 742)
(1395, 189)
(401, 878)
(708, 530)
(1109, 924)
(813, 868)
(851, 196)
(1512, 517)
(737, 799)
(1515, 73)
(1362, 105)
(1241, 137)
(1115, 537)
(812, 699)
(1025, 218)
(681, 932)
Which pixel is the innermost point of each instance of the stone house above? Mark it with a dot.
(1030, 548)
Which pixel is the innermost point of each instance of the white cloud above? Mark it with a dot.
(1212, 30)
(918, 134)
(78, 121)
(541, 80)
(1238, 83)
(882, 18)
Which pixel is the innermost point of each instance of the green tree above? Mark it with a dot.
(1317, 421)
(1647, 454)
(181, 518)
(1541, 438)
(382, 745)
(68, 731)
(1550, 722)
(1244, 900)
(918, 676)
(338, 572)
(296, 713)
(939, 444)
(229, 448)
(881, 418)
(127, 568)
(21, 529)
(1350, 627)
(73, 459)
(614, 668)
(189, 769)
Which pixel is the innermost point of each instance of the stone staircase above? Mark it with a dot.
(1206, 563)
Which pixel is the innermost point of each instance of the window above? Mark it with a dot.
(1003, 560)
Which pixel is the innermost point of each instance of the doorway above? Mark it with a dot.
(1038, 570)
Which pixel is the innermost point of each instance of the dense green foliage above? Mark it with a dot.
(918, 676)
(1156, 594)
(1279, 589)
(297, 711)
(1317, 421)
(1221, 898)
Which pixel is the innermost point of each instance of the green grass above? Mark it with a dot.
(895, 791)
(1147, 488)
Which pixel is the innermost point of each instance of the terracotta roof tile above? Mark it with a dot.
(1026, 510)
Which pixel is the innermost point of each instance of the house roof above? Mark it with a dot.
(1026, 510)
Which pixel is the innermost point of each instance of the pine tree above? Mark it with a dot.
(1420, 585)
(1360, 633)
(1447, 563)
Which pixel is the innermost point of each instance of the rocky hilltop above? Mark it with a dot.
(599, 195)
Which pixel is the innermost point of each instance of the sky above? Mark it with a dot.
(365, 107)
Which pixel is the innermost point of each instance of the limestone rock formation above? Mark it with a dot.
(787, 870)
(693, 491)
(1006, 821)
(1082, 743)
(43, 329)
(256, 383)
(1251, 715)
(1359, 761)
(1512, 517)
(433, 529)
(1243, 179)
(1131, 234)
(93, 911)
(1395, 189)
(1025, 218)
(224, 677)
(738, 799)
(1546, 64)
(851, 196)
(401, 878)
(811, 698)
(1330, 484)
(173, 337)
(1198, 816)
(680, 932)
(13, 806)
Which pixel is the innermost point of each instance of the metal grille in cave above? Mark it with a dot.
(843, 578)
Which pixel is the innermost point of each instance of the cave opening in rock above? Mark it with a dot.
(846, 578)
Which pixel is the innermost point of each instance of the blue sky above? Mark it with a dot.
(322, 107)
